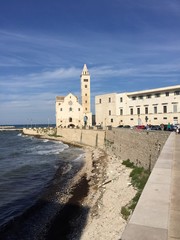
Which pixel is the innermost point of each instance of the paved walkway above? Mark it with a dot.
(174, 216)
(157, 214)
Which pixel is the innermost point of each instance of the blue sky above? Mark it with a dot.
(127, 45)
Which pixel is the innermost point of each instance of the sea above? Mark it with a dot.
(29, 168)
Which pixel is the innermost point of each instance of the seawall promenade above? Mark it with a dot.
(154, 150)
(157, 216)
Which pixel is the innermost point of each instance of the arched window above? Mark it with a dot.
(70, 119)
(70, 109)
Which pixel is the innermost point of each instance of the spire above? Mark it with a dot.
(85, 70)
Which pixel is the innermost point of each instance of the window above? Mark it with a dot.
(164, 109)
(121, 99)
(85, 86)
(175, 108)
(132, 119)
(100, 100)
(155, 110)
(86, 94)
(175, 118)
(138, 111)
(155, 118)
(131, 111)
(146, 110)
(111, 119)
(109, 112)
(164, 117)
(148, 96)
(167, 94)
(70, 119)
(177, 93)
(86, 109)
(70, 109)
(61, 109)
(85, 80)
(85, 101)
(157, 95)
(133, 98)
(121, 111)
(140, 97)
(79, 109)
(109, 99)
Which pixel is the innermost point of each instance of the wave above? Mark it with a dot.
(79, 158)
(49, 152)
(66, 169)
(49, 149)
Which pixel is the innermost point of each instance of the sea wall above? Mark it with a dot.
(39, 131)
(139, 146)
(91, 137)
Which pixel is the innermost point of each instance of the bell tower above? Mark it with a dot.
(85, 90)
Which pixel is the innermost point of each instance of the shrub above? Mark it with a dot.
(125, 211)
(127, 163)
(139, 177)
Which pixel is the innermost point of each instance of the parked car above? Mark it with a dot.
(126, 126)
(155, 127)
(120, 126)
(140, 127)
(168, 127)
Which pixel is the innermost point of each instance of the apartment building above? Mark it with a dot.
(154, 106)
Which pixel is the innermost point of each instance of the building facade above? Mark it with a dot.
(155, 107)
(69, 112)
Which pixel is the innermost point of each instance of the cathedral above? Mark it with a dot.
(71, 113)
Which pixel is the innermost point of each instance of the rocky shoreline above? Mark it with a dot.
(90, 209)
(94, 210)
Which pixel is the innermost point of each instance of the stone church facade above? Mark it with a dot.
(69, 112)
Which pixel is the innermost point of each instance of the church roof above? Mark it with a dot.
(60, 98)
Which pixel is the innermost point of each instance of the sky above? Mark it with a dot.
(127, 45)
